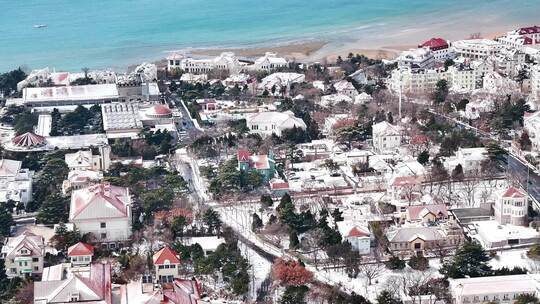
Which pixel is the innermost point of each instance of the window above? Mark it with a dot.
(161, 266)
(103, 225)
(13, 270)
(36, 268)
(173, 266)
(35, 260)
(103, 236)
(146, 279)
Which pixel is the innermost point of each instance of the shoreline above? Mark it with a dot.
(316, 51)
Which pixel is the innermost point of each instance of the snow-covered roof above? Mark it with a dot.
(9, 167)
(34, 244)
(385, 128)
(511, 284)
(99, 201)
(408, 234)
(284, 120)
(83, 92)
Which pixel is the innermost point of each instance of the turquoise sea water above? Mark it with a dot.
(115, 33)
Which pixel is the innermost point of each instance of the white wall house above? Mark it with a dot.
(477, 48)
(346, 88)
(420, 58)
(386, 137)
(85, 160)
(469, 158)
(268, 123)
(103, 210)
(358, 237)
(15, 182)
(23, 255)
(269, 62)
(166, 264)
(227, 61)
(511, 207)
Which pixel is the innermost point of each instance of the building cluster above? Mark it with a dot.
(395, 201)
(473, 65)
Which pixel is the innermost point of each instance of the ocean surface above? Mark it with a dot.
(117, 33)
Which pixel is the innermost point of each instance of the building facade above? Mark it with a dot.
(512, 207)
(386, 137)
(15, 182)
(268, 123)
(166, 265)
(23, 255)
(103, 210)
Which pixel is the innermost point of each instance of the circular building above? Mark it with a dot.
(28, 140)
(158, 111)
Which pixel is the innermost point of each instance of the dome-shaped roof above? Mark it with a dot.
(159, 111)
(28, 139)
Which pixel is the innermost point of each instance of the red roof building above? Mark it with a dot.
(166, 256)
(514, 192)
(81, 249)
(435, 44)
(166, 264)
(28, 140)
(356, 232)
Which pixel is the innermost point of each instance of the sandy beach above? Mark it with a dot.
(324, 52)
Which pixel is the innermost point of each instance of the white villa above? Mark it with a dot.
(386, 137)
(345, 87)
(268, 123)
(103, 210)
(85, 160)
(419, 58)
(280, 81)
(269, 62)
(15, 182)
(23, 255)
(227, 61)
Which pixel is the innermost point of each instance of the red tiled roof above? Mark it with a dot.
(81, 249)
(28, 139)
(171, 214)
(182, 291)
(279, 185)
(355, 232)
(529, 30)
(419, 139)
(514, 192)
(435, 44)
(165, 254)
(405, 180)
(243, 155)
(161, 110)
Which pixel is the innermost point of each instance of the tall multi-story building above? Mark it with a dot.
(511, 207)
(440, 48)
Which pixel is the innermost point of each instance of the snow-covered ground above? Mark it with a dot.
(259, 271)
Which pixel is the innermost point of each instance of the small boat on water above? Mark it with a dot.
(39, 26)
